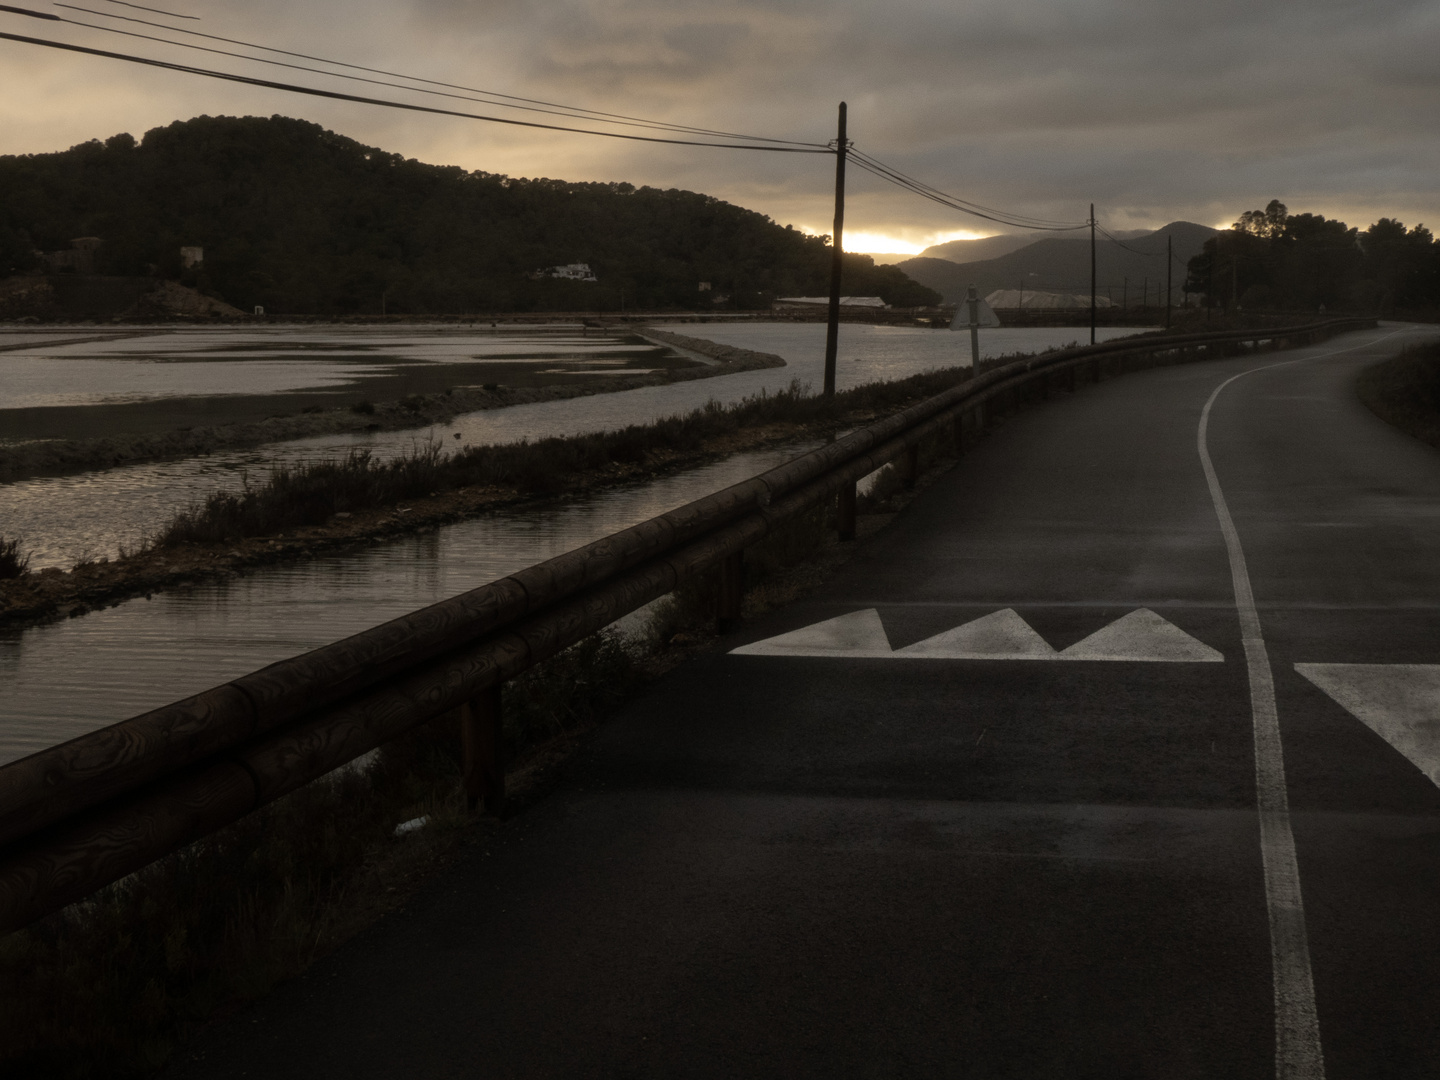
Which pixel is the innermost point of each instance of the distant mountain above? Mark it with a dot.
(1063, 265)
(301, 220)
(987, 247)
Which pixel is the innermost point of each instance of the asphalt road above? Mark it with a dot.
(830, 857)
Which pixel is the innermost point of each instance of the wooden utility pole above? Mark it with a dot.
(1169, 284)
(1092, 273)
(1210, 288)
(837, 253)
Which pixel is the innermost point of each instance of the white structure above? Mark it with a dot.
(809, 303)
(191, 257)
(1030, 298)
(972, 314)
(568, 272)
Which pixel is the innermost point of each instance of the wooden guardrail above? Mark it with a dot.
(85, 813)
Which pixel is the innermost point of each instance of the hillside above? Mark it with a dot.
(1063, 265)
(301, 220)
(986, 247)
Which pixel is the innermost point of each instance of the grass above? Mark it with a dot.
(107, 988)
(12, 563)
(1405, 391)
(298, 496)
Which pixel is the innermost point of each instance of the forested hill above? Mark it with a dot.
(302, 220)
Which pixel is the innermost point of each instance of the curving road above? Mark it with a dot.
(1115, 756)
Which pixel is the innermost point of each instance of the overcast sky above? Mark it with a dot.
(1154, 109)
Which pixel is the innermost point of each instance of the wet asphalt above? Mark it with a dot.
(837, 867)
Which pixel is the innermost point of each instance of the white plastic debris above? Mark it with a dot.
(411, 825)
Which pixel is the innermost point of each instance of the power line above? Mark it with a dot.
(337, 95)
(142, 7)
(895, 176)
(491, 97)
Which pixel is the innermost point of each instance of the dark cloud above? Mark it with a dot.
(1155, 109)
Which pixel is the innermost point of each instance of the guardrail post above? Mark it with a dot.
(958, 430)
(910, 465)
(482, 751)
(845, 511)
(732, 592)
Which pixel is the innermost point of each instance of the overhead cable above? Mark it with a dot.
(337, 95)
(1020, 221)
(491, 97)
(157, 11)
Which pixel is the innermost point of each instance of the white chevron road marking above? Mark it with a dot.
(1399, 702)
(1141, 636)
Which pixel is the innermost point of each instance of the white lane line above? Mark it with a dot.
(1298, 1053)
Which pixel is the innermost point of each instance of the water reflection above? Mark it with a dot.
(70, 677)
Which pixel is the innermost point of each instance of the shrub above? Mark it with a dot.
(12, 563)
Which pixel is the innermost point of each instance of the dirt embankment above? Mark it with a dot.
(418, 410)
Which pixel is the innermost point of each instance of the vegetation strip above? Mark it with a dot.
(1405, 391)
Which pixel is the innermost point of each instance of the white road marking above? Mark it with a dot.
(1298, 1052)
(1001, 635)
(857, 634)
(1399, 702)
(1143, 635)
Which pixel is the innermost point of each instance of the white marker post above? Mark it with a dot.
(973, 314)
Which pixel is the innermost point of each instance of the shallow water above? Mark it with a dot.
(92, 514)
(64, 679)
(216, 362)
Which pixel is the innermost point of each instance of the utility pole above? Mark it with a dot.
(1169, 265)
(1092, 273)
(972, 304)
(1210, 289)
(832, 332)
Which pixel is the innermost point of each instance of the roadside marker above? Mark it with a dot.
(1141, 636)
(1399, 702)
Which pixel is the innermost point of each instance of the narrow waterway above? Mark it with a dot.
(64, 679)
(62, 520)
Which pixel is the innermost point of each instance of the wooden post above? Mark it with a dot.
(482, 751)
(1092, 273)
(837, 258)
(845, 511)
(1169, 282)
(958, 428)
(910, 465)
(732, 592)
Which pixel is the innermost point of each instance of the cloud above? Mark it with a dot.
(1153, 109)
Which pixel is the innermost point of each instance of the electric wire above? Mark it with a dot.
(142, 7)
(337, 95)
(886, 172)
(494, 97)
